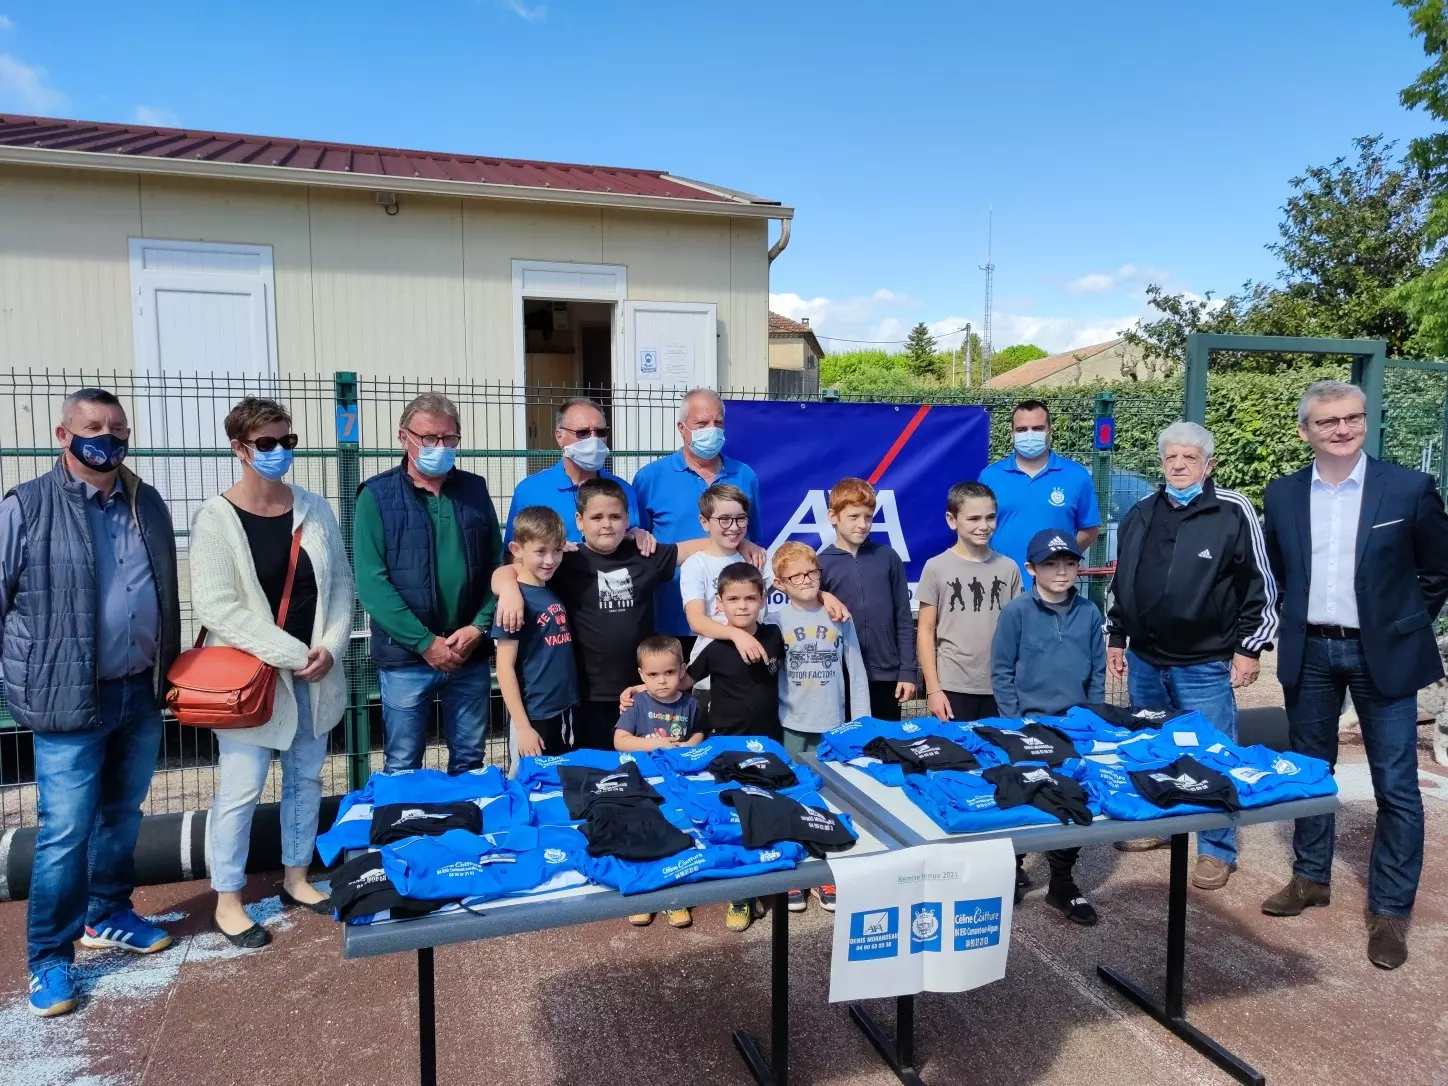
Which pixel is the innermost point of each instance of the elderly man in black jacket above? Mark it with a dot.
(1193, 605)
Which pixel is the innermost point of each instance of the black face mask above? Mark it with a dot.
(100, 452)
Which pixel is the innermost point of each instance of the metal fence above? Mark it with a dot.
(348, 428)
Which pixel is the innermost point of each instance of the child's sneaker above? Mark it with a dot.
(52, 991)
(739, 915)
(797, 901)
(1069, 902)
(826, 895)
(124, 930)
(641, 920)
(679, 918)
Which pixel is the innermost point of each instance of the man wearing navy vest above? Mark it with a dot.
(92, 623)
(424, 545)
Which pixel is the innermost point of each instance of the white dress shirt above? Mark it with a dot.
(1331, 595)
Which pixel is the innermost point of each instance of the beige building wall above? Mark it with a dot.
(786, 354)
(424, 294)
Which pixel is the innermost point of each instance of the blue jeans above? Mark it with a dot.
(240, 778)
(91, 785)
(1207, 688)
(407, 697)
(1390, 737)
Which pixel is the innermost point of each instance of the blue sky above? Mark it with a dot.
(1090, 127)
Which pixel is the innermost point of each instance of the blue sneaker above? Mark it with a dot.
(124, 930)
(52, 991)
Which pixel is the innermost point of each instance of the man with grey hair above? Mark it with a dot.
(424, 546)
(1193, 606)
(92, 623)
(669, 489)
(1360, 548)
(582, 434)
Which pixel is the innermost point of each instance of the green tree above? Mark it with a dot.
(1352, 234)
(1018, 354)
(920, 350)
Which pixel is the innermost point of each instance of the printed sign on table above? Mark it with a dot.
(910, 454)
(935, 918)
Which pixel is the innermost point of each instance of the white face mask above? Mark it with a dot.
(589, 453)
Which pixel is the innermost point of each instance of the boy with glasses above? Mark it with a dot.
(724, 516)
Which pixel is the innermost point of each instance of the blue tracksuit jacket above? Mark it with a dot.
(459, 864)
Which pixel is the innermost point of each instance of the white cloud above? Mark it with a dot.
(157, 117)
(530, 12)
(1126, 277)
(6, 23)
(23, 87)
(1057, 334)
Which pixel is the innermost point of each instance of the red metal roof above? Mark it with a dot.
(384, 162)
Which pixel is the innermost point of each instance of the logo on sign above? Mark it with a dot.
(925, 927)
(812, 518)
(977, 923)
(875, 934)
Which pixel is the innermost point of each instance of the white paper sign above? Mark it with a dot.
(678, 363)
(934, 918)
(648, 364)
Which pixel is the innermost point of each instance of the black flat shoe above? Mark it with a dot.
(253, 938)
(321, 908)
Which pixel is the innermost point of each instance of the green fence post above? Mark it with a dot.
(1103, 442)
(349, 439)
(1194, 400)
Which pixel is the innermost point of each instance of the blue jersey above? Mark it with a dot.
(542, 771)
(716, 821)
(696, 759)
(1189, 734)
(434, 786)
(1081, 724)
(459, 864)
(1264, 776)
(1112, 789)
(962, 801)
(691, 865)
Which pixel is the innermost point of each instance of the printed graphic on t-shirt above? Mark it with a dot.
(666, 725)
(615, 590)
(553, 625)
(812, 655)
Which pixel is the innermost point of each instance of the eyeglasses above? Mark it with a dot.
(268, 443)
(730, 522)
(1353, 422)
(802, 579)
(600, 432)
(432, 441)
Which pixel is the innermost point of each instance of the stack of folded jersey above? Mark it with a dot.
(422, 802)
(849, 742)
(1027, 741)
(538, 777)
(620, 813)
(1181, 786)
(1003, 796)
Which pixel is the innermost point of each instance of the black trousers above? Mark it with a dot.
(1061, 861)
(556, 732)
(883, 705)
(971, 706)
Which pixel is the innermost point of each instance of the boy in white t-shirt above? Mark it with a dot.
(724, 516)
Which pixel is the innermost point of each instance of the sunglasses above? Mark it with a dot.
(267, 444)
(600, 432)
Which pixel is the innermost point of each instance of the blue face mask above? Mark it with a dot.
(707, 443)
(1183, 495)
(1029, 443)
(435, 461)
(103, 452)
(272, 464)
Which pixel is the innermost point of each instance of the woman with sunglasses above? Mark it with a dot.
(240, 558)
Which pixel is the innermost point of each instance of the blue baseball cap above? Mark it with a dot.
(1050, 542)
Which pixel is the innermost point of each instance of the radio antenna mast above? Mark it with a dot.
(988, 267)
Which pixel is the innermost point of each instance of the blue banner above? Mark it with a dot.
(911, 455)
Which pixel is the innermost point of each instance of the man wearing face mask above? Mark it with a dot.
(92, 623)
(582, 434)
(424, 547)
(1036, 489)
(668, 496)
(1194, 603)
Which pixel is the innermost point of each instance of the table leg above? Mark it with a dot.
(759, 1067)
(899, 1054)
(1171, 1011)
(426, 1020)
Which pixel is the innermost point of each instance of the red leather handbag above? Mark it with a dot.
(216, 686)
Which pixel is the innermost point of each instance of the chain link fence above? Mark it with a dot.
(348, 432)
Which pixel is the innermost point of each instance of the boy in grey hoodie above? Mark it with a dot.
(1049, 653)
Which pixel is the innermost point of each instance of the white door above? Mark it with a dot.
(205, 336)
(668, 347)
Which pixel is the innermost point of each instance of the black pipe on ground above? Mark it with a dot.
(169, 848)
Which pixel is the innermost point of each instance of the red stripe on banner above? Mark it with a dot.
(910, 428)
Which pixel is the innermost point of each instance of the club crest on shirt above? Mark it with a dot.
(1058, 497)
(615, 590)
(755, 745)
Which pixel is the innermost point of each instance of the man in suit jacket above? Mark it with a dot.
(1359, 548)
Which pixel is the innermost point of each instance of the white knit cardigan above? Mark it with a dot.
(227, 598)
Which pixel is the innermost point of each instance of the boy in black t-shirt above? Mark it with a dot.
(536, 673)
(745, 699)
(608, 587)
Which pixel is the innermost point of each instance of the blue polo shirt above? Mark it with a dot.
(557, 491)
(668, 495)
(1060, 496)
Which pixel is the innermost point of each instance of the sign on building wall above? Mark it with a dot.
(910, 454)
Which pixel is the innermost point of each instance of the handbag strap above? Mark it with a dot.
(286, 589)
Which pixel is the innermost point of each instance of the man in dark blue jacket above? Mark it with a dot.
(1359, 548)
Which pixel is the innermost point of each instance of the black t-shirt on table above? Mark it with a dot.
(270, 539)
(744, 698)
(610, 601)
